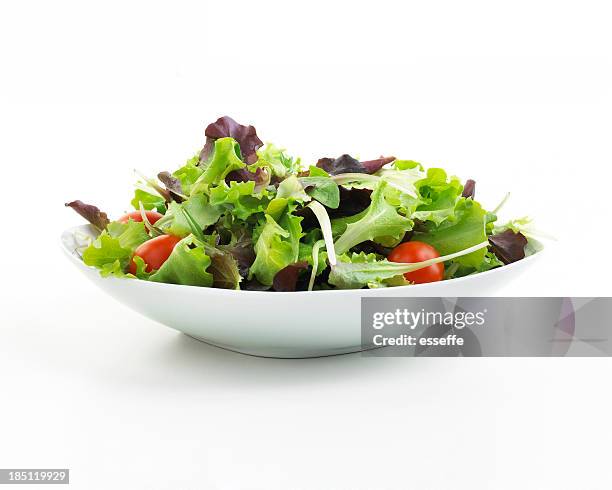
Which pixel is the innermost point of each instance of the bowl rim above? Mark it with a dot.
(422, 288)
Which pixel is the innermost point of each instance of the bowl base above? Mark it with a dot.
(278, 354)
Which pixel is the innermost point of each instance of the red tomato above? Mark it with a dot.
(152, 216)
(411, 252)
(155, 252)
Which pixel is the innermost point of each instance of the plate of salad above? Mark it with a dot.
(251, 249)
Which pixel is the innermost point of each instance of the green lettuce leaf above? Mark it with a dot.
(380, 219)
(465, 230)
(277, 245)
(112, 251)
(187, 265)
(149, 201)
(239, 198)
(106, 253)
(438, 195)
(317, 172)
(323, 189)
(189, 173)
(306, 254)
(407, 165)
(198, 206)
(291, 188)
(130, 235)
(277, 160)
(225, 159)
(359, 270)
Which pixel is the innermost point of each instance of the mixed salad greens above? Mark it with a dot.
(241, 215)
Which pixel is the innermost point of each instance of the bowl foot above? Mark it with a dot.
(282, 353)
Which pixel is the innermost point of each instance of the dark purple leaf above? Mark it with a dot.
(369, 247)
(261, 177)
(469, 189)
(286, 279)
(91, 213)
(346, 164)
(173, 185)
(352, 201)
(225, 126)
(508, 246)
(254, 285)
(309, 220)
(243, 252)
(372, 166)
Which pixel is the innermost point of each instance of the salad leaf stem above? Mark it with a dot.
(501, 204)
(321, 214)
(351, 275)
(153, 230)
(354, 177)
(315, 262)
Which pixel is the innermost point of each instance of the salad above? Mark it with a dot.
(244, 215)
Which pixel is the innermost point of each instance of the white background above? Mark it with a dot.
(515, 95)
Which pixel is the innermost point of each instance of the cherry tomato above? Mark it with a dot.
(411, 252)
(152, 216)
(155, 252)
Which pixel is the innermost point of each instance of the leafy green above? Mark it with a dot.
(316, 172)
(130, 235)
(465, 230)
(291, 188)
(277, 246)
(187, 264)
(407, 165)
(198, 206)
(112, 250)
(277, 160)
(307, 250)
(106, 253)
(360, 270)
(240, 208)
(380, 219)
(225, 159)
(148, 200)
(339, 225)
(189, 173)
(323, 189)
(239, 198)
(438, 195)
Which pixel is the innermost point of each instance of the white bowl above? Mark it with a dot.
(262, 323)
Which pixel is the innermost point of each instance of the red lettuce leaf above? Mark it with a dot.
(261, 177)
(225, 126)
(373, 166)
(346, 164)
(469, 189)
(173, 185)
(243, 252)
(286, 279)
(91, 213)
(254, 285)
(508, 246)
(352, 201)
